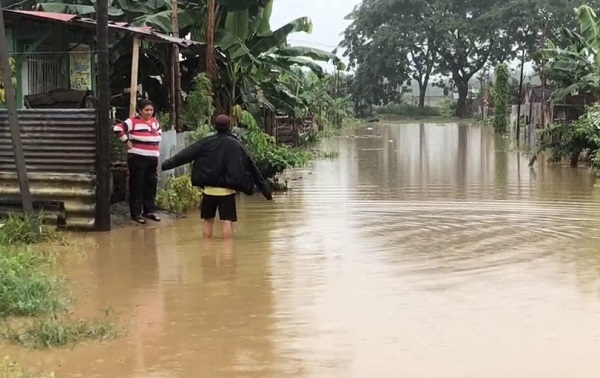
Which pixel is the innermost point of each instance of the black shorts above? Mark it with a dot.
(225, 205)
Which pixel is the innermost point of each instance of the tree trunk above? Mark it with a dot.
(422, 92)
(462, 85)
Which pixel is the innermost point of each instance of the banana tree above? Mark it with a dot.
(576, 68)
(252, 62)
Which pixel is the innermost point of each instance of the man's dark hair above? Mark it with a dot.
(222, 123)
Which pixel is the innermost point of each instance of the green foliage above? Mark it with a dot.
(49, 333)
(11, 369)
(18, 229)
(26, 286)
(118, 149)
(199, 106)
(179, 196)
(271, 158)
(447, 107)
(200, 133)
(574, 58)
(409, 110)
(574, 141)
(30, 287)
(501, 97)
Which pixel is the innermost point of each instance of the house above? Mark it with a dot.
(53, 58)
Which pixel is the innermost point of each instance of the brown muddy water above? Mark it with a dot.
(423, 251)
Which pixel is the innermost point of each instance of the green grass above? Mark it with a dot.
(32, 291)
(49, 333)
(11, 369)
(27, 288)
(22, 229)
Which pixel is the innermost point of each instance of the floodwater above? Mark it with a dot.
(423, 251)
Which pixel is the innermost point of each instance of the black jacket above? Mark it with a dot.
(221, 161)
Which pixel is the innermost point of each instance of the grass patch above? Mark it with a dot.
(22, 229)
(27, 288)
(34, 294)
(410, 111)
(49, 332)
(401, 119)
(11, 369)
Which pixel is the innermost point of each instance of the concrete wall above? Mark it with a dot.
(172, 142)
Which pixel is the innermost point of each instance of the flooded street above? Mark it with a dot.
(422, 251)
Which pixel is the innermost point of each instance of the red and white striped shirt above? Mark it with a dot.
(145, 136)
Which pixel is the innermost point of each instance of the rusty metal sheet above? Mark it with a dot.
(60, 154)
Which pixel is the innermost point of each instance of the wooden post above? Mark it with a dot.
(176, 69)
(210, 41)
(135, 62)
(13, 120)
(173, 92)
(520, 99)
(103, 174)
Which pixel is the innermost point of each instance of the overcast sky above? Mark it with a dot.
(327, 17)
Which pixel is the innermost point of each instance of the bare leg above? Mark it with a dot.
(207, 228)
(227, 230)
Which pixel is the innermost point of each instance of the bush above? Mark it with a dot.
(271, 158)
(581, 138)
(179, 196)
(200, 133)
(409, 110)
(199, 106)
(447, 107)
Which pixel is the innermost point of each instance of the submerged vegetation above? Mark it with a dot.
(11, 369)
(33, 294)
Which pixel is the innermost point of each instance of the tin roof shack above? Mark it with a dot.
(54, 70)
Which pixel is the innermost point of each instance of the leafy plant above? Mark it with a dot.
(271, 158)
(574, 141)
(199, 106)
(200, 133)
(447, 107)
(179, 196)
(501, 97)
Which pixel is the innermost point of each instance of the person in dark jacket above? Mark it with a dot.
(221, 167)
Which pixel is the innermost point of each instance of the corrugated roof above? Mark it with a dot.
(72, 19)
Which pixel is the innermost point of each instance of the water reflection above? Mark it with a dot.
(423, 251)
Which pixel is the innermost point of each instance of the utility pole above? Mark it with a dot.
(103, 221)
(176, 122)
(13, 120)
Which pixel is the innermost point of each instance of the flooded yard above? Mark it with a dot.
(422, 251)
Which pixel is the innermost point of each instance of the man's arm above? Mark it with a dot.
(259, 180)
(185, 156)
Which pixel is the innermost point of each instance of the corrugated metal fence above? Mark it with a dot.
(60, 153)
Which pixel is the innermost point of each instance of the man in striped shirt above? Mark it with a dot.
(143, 135)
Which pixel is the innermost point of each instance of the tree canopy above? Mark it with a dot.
(401, 40)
